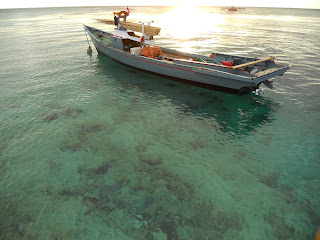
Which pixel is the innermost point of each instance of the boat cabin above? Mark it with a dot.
(125, 39)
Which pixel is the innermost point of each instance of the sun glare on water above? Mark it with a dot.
(189, 23)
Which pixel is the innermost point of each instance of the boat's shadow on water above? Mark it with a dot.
(239, 115)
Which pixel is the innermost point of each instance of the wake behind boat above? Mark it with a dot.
(222, 72)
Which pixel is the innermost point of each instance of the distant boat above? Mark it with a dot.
(233, 9)
(239, 75)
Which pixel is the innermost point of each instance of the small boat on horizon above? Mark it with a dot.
(222, 72)
(233, 9)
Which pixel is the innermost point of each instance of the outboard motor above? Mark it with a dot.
(268, 84)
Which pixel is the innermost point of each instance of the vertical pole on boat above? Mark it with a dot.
(142, 29)
(142, 35)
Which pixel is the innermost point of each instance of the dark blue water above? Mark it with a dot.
(92, 149)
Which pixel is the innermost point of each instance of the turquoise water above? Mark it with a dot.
(92, 149)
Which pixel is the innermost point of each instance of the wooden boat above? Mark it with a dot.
(228, 73)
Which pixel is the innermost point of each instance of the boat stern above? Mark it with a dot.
(264, 76)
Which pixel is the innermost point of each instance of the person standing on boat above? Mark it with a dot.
(116, 20)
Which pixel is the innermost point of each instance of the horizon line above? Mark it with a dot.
(218, 6)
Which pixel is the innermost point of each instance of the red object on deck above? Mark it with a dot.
(227, 63)
(151, 52)
(211, 56)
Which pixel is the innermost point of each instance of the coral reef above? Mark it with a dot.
(149, 202)
(80, 138)
(13, 223)
(59, 111)
(281, 229)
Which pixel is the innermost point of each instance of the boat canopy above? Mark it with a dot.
(152, 31)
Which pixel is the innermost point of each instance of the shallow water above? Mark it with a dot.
(92, 149)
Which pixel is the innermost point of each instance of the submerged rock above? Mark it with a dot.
(170, 229)
(241, 153)
(74, 191)
(270, 180)
(197, 143)
(81, 137)
(151, 159)
(3, 167)
(142, 147)
(93, 173)
(159, 235)
(85, 129)
(103, 168)
(281, 229)
(183, 190)
(73, 145)
(73, 112)
(50, 117)
(151, 156)
(55, 165)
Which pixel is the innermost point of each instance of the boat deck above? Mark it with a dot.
(105, 39)
(174, 56)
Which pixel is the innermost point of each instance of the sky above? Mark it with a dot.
(240, 3)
